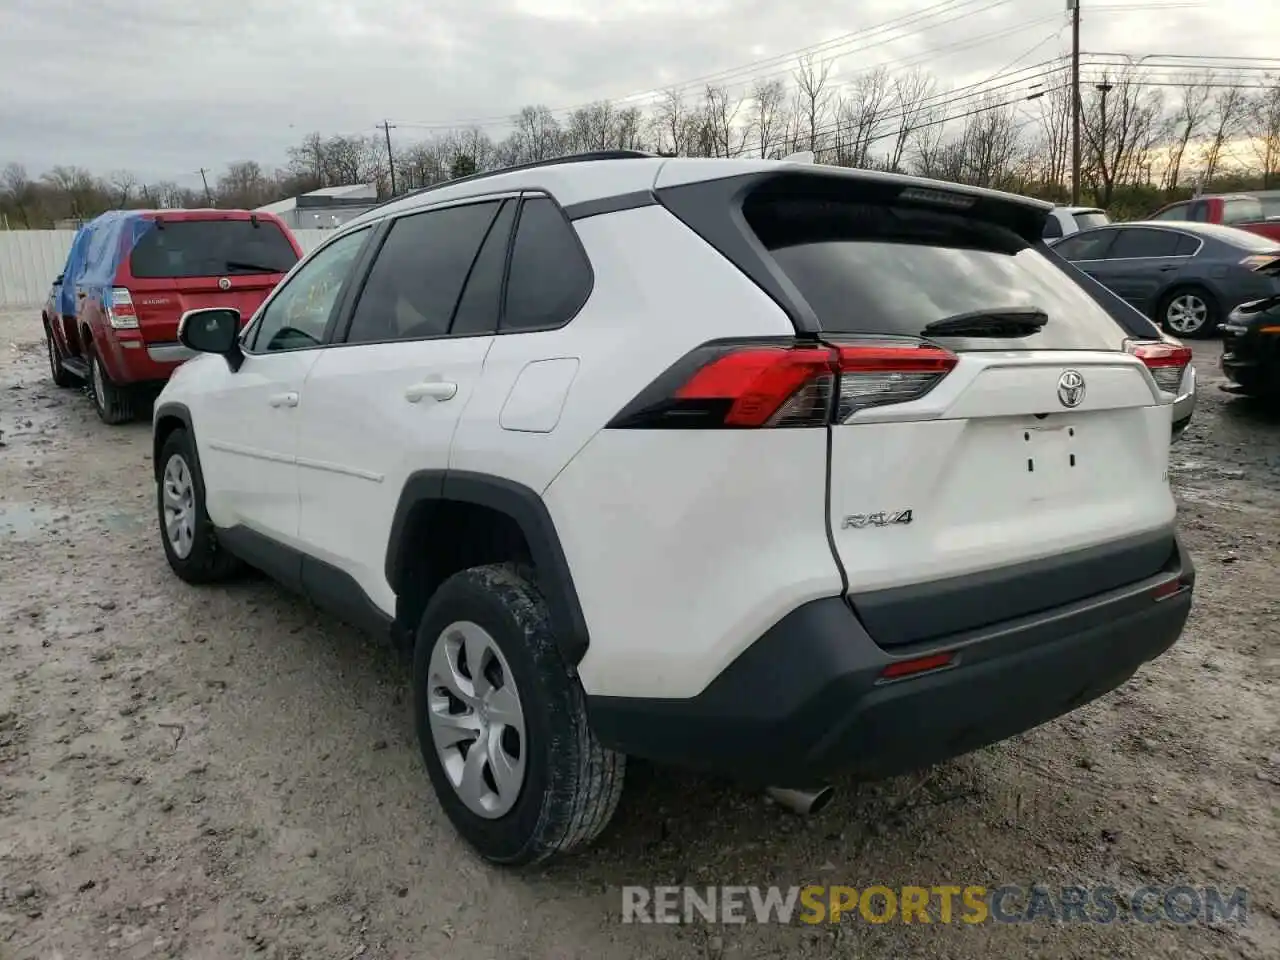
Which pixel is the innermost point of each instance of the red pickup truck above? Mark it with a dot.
(1246, 211)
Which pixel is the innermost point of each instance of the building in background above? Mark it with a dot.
(326, 208)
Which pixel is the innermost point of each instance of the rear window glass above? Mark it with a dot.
(882, 269)
(211, 248)
(1242, 210)
(1270, 207)
(1091, 219)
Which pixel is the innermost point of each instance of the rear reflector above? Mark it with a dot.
(1166, 361)
(909, 668)
(120, 311)
(785, 384)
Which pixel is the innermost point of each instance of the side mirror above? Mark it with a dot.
(213, 330)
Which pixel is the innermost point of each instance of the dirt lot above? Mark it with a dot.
(225, 772)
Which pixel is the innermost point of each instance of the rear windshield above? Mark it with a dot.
(1242, 210)
(881, 269)
(1091, 219)
(211, 248)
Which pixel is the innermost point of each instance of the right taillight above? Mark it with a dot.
(1166, 361)
(785, 384)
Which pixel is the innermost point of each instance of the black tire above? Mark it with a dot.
(1213, 312)
(571, 783)
(62, 377)
(206, 562)
(114, 404)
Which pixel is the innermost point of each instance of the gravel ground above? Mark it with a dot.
(225, 772)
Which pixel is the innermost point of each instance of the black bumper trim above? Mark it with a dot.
(806, 701)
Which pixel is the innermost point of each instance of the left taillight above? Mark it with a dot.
(1166, 361)
(120, 310)
(784, 384)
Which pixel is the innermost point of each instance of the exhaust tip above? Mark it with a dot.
(803, 802)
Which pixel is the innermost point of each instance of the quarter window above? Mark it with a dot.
(550, 278)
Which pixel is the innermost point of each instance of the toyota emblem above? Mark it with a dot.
(1071, 388)
(224, 283)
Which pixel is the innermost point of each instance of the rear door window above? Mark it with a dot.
(877, 268)
(177, 249)
(1086, 246)
(1178, 211)
(1242, 210)
(1052, 228)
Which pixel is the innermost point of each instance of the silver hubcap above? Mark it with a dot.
(178, 496)
(1187, 313)
(476, 721)
(99, 388)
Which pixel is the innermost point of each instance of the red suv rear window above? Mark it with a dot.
(211, 248)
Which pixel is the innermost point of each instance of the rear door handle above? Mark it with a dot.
(435, 389)
(289, 399)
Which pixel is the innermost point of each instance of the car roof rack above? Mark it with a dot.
(585, 157)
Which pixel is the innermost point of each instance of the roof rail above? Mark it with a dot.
(531, 165)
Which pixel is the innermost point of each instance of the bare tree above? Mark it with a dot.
(673, 124)
(1054, 156)
(911, 94)
(990, 142)
(18, 191)
(1228, 112)
(720, 109)
(1263, 129)
(927, 149)
(813, 97)
(537, 135)
(1118, 122)
(123, 181)
(859, 117)
(767, 100)
(1186, 121)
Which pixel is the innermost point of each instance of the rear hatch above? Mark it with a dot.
(186, 262)
(998, 446)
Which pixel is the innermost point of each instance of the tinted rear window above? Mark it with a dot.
(881, 269)
(1091, 219)
(211, 248)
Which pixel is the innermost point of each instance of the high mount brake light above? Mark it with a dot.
(785, 384)
(1166, 361)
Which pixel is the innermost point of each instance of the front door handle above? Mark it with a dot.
(289, 399)
(435, 389)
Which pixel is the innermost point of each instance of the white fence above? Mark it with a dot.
(30, 259)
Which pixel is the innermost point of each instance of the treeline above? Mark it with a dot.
(1143, 142)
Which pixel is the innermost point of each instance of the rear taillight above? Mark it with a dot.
(785, 384)
(1260, 261)
(1166, 361)
(120, 311)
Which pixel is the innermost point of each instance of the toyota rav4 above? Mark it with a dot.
(762, 468)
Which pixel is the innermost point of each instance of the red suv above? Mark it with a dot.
(131, 275)
(1242, 210)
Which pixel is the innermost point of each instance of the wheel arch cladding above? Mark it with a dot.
(168, 418)
(423, 513)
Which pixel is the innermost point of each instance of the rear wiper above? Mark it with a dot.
(997, 322)
(256, 267)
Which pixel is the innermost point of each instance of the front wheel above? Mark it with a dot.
(190, 542)
(1190, 312)
(502, 723)
(114, 404)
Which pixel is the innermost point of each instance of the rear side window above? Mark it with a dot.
(1177, 212)
(550, 278)
(176, 249)
(1136, 243)
(417, 278)
(877, 268)
(1052, 228)
(481, 302)
(1199, 212)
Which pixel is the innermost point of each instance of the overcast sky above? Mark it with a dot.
(164, 87)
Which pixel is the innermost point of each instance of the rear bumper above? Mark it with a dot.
(807, 702)
(130, 360)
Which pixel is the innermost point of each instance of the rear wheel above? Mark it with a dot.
(1189, 312)
(115, 404)
(62, 377)
(502, 722)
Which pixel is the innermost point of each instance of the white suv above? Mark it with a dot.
(762, 468)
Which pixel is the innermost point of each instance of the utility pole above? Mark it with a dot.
(1104, 88)
(1074, 7)
(208, 194)
(391, 160)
